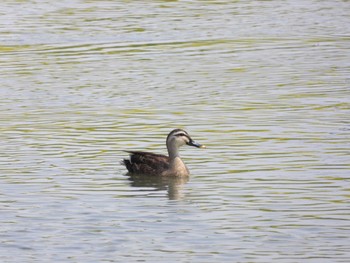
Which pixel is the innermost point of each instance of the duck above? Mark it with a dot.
(152, 164)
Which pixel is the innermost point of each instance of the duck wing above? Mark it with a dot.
(146, 163)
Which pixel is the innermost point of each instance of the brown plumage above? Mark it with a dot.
(160, 165)
(148, 163)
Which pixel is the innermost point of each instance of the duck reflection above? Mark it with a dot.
(173, 185)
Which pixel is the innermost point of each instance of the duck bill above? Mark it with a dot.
(195, 144)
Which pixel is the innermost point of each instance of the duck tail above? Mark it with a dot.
(127, 164)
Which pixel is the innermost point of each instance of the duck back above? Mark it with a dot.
(146, 163)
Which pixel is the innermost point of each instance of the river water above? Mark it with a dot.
(265, 85)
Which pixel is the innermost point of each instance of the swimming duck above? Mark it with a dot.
(160, 165)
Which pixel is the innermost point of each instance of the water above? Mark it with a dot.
(264, 84)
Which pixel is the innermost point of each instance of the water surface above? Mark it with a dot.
(263, 84)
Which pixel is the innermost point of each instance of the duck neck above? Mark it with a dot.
(173, 151)
(176, 164)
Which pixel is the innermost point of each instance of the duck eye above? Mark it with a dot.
(180, 134)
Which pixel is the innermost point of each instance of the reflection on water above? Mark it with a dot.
(264, 84)
(173, 185)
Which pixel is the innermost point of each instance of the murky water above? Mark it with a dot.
(264, 84)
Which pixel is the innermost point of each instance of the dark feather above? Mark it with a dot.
(146, 163)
